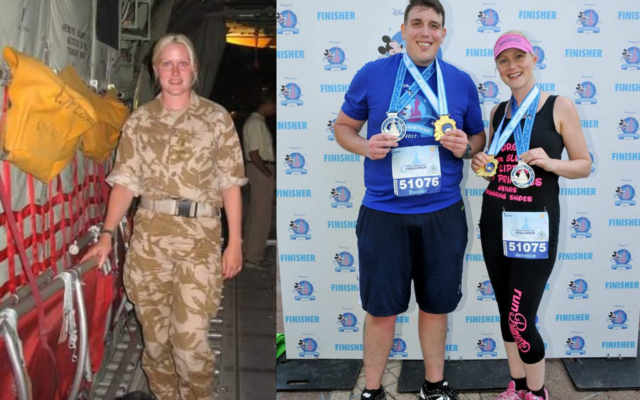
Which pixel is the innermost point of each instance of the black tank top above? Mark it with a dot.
(543, 193)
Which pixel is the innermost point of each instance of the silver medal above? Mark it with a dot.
(522, 175)
(394, 125)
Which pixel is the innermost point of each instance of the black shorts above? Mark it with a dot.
(394, 249)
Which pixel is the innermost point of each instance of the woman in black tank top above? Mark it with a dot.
(519, 270)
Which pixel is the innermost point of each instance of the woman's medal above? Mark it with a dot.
(522, 175)
(489, 169)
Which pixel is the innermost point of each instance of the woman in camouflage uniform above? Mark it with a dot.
(181, 154)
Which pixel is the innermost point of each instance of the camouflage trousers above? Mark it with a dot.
(173, 276)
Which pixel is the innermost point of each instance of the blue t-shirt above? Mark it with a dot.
(368, 99)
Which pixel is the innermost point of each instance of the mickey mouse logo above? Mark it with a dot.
(391, 47)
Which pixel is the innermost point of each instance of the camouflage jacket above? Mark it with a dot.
(192, 156)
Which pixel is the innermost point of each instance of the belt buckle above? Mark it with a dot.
(183, 208)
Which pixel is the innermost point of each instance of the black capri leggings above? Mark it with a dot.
(518, 285)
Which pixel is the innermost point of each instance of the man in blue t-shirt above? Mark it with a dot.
(412, 223)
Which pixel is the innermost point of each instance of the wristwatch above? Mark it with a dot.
(107, 231)
(467, 152)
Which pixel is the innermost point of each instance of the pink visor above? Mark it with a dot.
(511, 41)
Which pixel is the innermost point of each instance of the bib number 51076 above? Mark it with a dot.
(418, 183)
(416, 186)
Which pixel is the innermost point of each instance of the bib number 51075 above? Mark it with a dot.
(528, 247)
(528, 250)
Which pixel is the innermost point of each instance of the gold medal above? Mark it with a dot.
(489, 169)
(442, 125)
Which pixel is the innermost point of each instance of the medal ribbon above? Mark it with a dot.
(523, 138)
(501, 137)
(397, 102)
(439, 103)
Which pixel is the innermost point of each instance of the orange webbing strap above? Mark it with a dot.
(52, 230)
(10, 243)
(36, 239)
(11, 247)
(104, 187)
(78, 196)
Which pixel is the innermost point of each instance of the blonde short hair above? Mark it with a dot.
(514, 32)
(177, 38)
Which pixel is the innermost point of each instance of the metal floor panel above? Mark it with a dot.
(248, 350)
(122, 359)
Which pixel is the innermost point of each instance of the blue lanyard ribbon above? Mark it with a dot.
(439, 103)
(398, 103)
(522, 139)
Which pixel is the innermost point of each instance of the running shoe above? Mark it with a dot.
(531, 396)
(445, 393)
(373, 395)
(511, 393)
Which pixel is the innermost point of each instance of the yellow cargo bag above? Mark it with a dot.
(45, 120)
(98, 142)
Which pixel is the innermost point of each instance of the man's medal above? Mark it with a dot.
(393, 124)
(442, 125)
(439, 103)
(500, 137)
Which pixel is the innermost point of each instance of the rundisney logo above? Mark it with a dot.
(518, 323)
(509, 39)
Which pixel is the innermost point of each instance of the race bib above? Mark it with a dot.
(416, 170)
(525, 234)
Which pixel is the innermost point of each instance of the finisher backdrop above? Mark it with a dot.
(588, 52)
